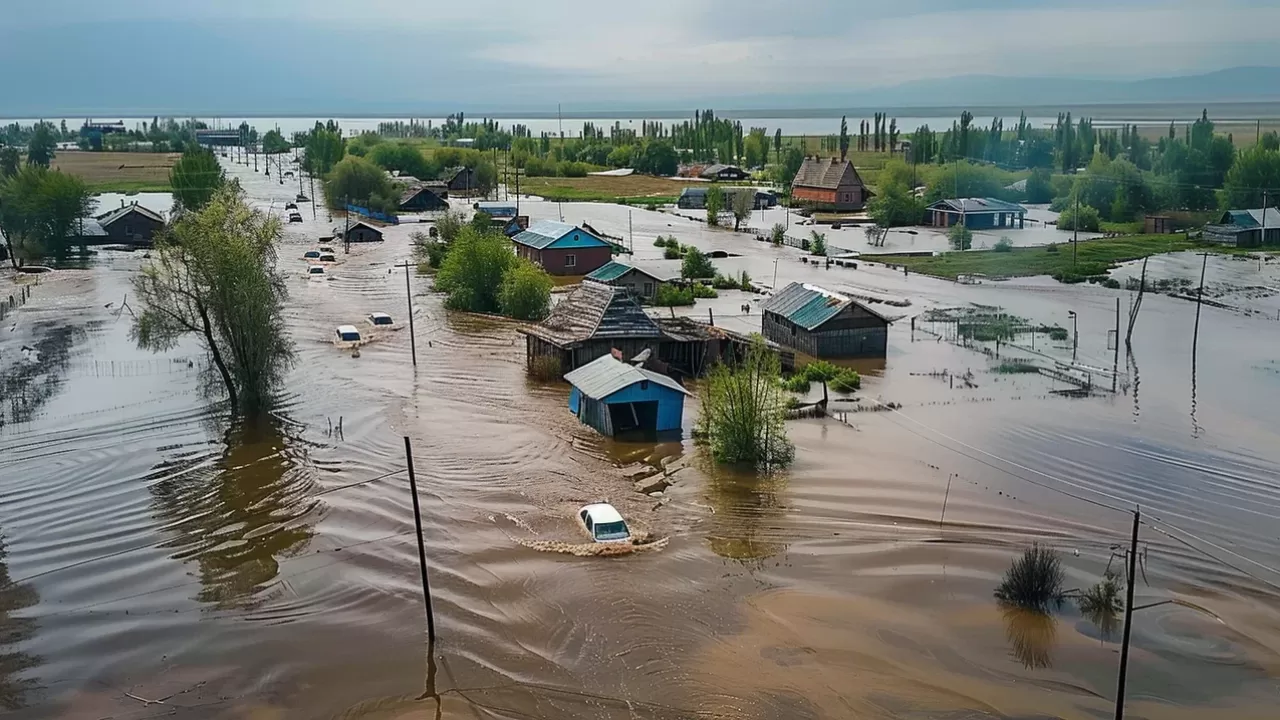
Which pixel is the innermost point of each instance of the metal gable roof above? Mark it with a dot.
(606, 375)
(542, 233)
(610, 271)
(809, 306)
(106, 219)
(977, 206)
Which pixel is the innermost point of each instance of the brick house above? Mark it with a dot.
(562, 249)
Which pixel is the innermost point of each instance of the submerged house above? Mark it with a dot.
(829, 184)
(563, 249)
(641, 283)
(423, 198)
(976, 213)
(695, 198)
(614, 397)
(722, 172)
(1245, 228)
(460, 180)
(824, 324)
(598, 319)
(359, 231)
(131, 224)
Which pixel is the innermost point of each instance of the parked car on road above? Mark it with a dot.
(604, 523)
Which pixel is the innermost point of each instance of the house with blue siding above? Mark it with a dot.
(614, 398)
(824, 324)
(563, 249)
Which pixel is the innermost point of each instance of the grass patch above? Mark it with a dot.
(1121, 228)
(1094, 257)
(118, 171)
(1034, 581)
(631, 189)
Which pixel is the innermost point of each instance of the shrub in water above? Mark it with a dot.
(545, 368)
(670, 296)
(1033, 581)
(846, 382)
(703, 291)
(797, 383)
(671, 253)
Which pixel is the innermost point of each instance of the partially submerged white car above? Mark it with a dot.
(327, 257)
(604, 523)
(311, 255)
(315, 272)
(380, 320)
(347, 336)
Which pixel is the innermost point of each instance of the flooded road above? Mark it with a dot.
(154, 554)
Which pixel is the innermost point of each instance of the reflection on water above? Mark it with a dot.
(35, 375)
(1031, 636)
(238, 516)
(747, 514)
(13, 630)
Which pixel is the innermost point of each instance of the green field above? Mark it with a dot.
(1094, 257)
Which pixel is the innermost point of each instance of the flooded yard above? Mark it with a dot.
(154, 555)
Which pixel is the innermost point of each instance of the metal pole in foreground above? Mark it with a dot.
(1128, 617)
(422, 548)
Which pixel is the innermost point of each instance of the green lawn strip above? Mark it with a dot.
(1094, 256)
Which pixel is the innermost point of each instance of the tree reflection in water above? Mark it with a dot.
(1031, 635)
(13, 630)
(745, 525)
(239, 516)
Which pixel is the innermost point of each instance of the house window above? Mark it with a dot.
(648, 289)
(570, 260)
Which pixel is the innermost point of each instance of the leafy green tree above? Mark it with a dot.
(1270, 140)
(40, 210)
(450, 224)
(743, 413)
(656, 157)
(697, 265)
(472, 272)
(742, 202)
(213, 276)
(818, 243)
(486, 176)
(960, 237)
(10, 161)
(821, 371)
(358, 181)
(273, 142)
(844, 137)
(777, 145)
(402, 157)
(195, 177)
(1255, 169)
(1039, 186)
(324, 149)
(41, 146)
(715, 204)
(1085, 218)
(525, 291)
(895, 206)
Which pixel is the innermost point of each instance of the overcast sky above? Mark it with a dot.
(229, 56)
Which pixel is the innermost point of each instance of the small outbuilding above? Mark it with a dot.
(695, 198)
(639, 282)
(460, 180)
(614, 397)
(563, 249)
(723, 172)
(976, 213)
(824, 324)
(359, 231)
(131, 224)
(1245, 228)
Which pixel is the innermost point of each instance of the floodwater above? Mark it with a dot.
(155, 555)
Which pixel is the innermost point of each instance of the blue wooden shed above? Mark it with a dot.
(614, 397)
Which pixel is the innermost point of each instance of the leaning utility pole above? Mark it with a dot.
(1128, 617)
(1075, 231)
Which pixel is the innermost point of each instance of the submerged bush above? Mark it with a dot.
(846, 382)
(545, 368)
(797, 383)
(701, 291)
(1033, 581)
(744, 412)
(671, 296)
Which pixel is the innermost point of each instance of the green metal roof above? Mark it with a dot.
(809, 306)
(609, 272)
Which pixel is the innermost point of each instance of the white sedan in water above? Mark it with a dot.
(604, 523)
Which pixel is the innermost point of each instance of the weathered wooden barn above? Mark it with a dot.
(724, 172)
(824, 324)
(461, 180)
(359, 231)
(615, 397)
(562, 249)
(695, 198)
(829, 184)
(976, 213)
(596, 319)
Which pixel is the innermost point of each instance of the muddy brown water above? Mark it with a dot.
(155, 555)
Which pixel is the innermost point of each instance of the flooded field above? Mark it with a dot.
(160, 564)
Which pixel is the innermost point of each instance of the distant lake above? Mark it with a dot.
(792, 121)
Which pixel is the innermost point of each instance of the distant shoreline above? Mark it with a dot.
(1220, 111)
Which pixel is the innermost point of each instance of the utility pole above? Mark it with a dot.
(346, 234)
(413, 342)
(312, 177)
(422, 548)
(1115, 363)
(631, 235)
(1128, 617)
